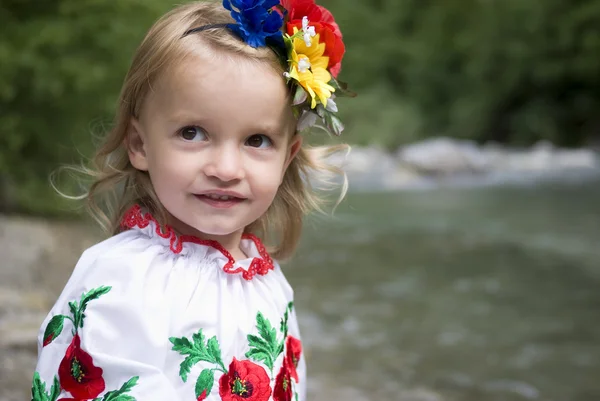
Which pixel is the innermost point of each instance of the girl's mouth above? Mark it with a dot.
(219, 200)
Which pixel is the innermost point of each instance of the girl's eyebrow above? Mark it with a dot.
(183, 116)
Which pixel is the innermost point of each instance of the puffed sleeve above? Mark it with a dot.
(104, 339)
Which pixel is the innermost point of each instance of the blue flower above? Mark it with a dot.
(256, 22)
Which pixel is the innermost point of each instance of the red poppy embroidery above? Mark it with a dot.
(294, 351)
(77, 373)
(202, 396)
(283, 383)
(135, 218)
(245, 381)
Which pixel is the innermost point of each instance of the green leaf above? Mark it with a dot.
(119, 395)
(266, 331)
(55, 390)
(78, 309)
(38, 389)
(93, 294)
(73, 307)
(259, 343)
(182, 345)
(334, 124)
(341, 88)
(196, 352)
(281, 346)
(300, 96)
(53, 329)
(215, 351)
(259, 355)
(129, 384)
(199, 340)
(186, 366)
(205, 382)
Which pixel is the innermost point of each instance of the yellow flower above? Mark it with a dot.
(309, 68)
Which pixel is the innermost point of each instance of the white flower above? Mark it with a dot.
(309, 31)
(303, 64)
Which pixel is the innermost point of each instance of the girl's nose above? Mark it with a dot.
(225, 164)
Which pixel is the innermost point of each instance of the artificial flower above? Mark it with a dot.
(309, 68)
(77, 372)
(256, 21)
(245, 381)
(324, 25)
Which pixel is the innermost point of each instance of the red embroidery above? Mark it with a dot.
(77, 373)
(135, 218)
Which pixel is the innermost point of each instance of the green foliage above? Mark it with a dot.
(507, 70)
(63, 62)
(504, 70)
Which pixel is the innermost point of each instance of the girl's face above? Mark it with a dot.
(215, 135)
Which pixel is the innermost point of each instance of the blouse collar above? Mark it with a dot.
(261, 262)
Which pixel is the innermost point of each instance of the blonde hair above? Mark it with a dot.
(116, 185)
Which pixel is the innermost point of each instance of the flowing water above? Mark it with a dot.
(470, 295)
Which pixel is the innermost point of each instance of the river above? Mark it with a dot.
(472, 295)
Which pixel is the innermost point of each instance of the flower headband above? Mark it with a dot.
(309, 43)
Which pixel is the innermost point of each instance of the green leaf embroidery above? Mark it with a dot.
(53, 329)
(259, 355)
(259, 343)
(119, 395)
(55, 390)
(73, 307)
(38, 390)
(198, 339)
(205, 382)
(186, 366)
(267, 347)
(266, 331)
(78, 310)
(283, 327)
(215, 351)
(197, 351)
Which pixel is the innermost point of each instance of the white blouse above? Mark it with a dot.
(150, 315)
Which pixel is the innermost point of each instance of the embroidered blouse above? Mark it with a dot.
(148, 315)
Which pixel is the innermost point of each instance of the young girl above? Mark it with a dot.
(184, 302)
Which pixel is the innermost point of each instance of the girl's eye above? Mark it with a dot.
(259, 141)
(193, 134)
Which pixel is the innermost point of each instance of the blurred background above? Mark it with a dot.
(464, 264)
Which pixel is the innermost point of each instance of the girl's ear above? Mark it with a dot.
(135, 144)
(293, 149)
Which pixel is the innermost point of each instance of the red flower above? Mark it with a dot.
(48, 339)
(77, 373)
(294, 350)
(283, 383)
(245, 381)
(325, 25)
(202, 396)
